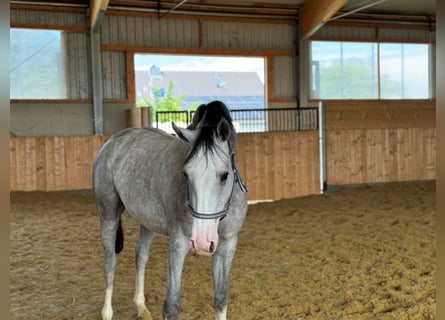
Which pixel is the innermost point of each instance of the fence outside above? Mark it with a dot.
(251, 120)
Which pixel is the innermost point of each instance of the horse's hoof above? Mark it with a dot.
(145, 315)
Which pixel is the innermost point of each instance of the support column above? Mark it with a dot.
(304, 73)
(96, 72)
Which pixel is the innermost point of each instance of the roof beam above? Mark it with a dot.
(97, 12)
(315, 13)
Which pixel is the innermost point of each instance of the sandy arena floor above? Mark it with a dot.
(354, 253)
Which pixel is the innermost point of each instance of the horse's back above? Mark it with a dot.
(132, 135)
(128, 142)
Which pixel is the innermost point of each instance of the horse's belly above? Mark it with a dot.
(154, 222)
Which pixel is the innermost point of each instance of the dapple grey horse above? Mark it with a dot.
(186, 187)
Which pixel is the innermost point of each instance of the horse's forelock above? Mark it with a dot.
(205, 140)
(209, 115)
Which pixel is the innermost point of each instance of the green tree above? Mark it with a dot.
(166, 103)
(169, 102)
(355, 79)
(352, 79)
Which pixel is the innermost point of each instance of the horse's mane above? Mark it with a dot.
(206, 118)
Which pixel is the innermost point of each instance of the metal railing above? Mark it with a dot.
(251, 120)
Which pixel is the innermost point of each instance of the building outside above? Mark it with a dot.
(238, 90)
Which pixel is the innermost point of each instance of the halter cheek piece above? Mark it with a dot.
(220, 214)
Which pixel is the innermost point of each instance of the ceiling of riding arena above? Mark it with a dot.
(278, 9)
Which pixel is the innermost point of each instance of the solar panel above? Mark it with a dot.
(233, 102)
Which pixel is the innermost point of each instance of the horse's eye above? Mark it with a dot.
(185, 174)
(224, 176)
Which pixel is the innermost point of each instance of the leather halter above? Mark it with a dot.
(220, 214)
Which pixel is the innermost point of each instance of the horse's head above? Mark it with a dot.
(209, 172)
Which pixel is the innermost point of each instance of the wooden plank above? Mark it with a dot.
(130, 76)
(55, 161)
(71, 162)
(21, 163)
(38, 7)
(315, 13)
(89, 154)
(200, 51)
(262, 190)
(429, 152)
(270, 77)
(41, 167)
(76, 155)
(49, 27)
(26, 154)
(13, 170)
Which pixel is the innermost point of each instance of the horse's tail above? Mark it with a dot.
(119, 238)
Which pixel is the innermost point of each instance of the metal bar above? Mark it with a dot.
(258, 120)
(356, 10)
(175, 7)
(322, 146)
(203, 13)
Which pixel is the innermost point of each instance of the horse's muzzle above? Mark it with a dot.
(203, 251)
(204, 238)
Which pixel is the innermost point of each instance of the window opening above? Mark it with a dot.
(36, 64)
(361, 70)
(182, 82)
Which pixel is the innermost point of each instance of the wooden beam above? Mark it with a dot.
(315, 13)
(97, 12)
(200, 51)
(131, 85)
(270, 78)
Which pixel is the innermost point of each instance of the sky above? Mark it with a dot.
(200, 63)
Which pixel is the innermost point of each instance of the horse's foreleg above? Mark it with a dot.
(178, 249)
(222, 260)
(142, 253)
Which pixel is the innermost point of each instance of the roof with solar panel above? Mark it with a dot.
(239, 90)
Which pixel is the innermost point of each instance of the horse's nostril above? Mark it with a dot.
(212, 247)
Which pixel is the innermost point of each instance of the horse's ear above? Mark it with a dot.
(223, 129)
(184, 134)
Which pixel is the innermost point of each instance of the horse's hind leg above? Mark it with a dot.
(142, 253)
(110, 214)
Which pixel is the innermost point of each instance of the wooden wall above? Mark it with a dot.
(399, 146)
(372, 141)
(279, 165)
(380, 155)
(52, 163)
(274, 165)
